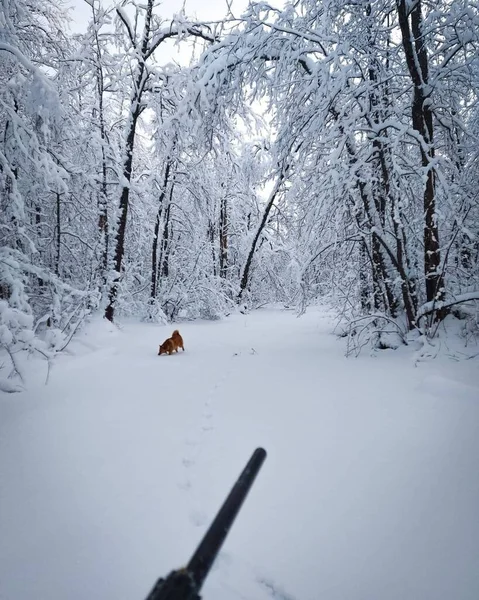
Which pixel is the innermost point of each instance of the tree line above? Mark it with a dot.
(323, 151)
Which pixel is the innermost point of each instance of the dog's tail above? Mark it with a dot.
(176, 332)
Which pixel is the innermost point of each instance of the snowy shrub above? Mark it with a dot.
(44, 326)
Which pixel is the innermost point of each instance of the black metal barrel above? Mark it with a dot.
(185, 584)
(210, 545)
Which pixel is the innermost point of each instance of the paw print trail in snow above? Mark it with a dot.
(196, 442)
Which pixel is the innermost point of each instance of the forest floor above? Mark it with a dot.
(111, 473)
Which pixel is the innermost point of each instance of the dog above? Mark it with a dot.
(171, 344)
(176, 337)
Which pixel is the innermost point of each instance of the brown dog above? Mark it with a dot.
(176, 337)
(171, 344)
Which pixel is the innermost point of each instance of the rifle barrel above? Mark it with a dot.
(185, 583)
(204, 556)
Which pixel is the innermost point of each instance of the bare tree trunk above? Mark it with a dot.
(103, 199)
(10, 183)
(135, 112)
(363, 282)
(211, 237)
(38, 222)
(124, 203)
(383, 296)
(165, 244)
(414, 44)
(154, 251)
(223, 238)
(154, 260)
(264, 220)
(59, 234)
(380, 191)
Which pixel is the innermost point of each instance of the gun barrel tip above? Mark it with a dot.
(261, 451)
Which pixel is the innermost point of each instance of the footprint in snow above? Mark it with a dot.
(198, 518)
(191, 443)
(273, 589)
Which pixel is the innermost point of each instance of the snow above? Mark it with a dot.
(112, 472)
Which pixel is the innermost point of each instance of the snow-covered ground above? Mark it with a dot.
(111, 473)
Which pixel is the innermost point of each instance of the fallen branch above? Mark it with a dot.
(432, 306)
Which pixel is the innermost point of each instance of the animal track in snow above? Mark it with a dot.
(196, 440)
(198, 518)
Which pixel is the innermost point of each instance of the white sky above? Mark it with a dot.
(204, 10)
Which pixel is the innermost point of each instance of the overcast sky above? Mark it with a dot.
(202, 9)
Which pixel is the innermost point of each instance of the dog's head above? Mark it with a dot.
(161, 350)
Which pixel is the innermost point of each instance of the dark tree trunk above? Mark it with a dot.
(165, 244)
(125, 194)
(380, 193)
(383, 297)
(9, 183)
(124, 203)
(154, 259)
(223, 238)
(246, 271)
(102, 198)
(211, 237)
(38, 222)
(381, 203)
(135, 112)
(363, 280)
(414, 45)
(154, 251)
(103, 201)
(59, 236)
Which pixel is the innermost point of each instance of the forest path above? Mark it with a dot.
(111, 473)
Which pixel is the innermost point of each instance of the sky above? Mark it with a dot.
(202, 9)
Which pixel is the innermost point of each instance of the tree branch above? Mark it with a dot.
(172, 33)
(120, 13)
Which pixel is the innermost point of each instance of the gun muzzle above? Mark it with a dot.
(202, 560)
(186, 583)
